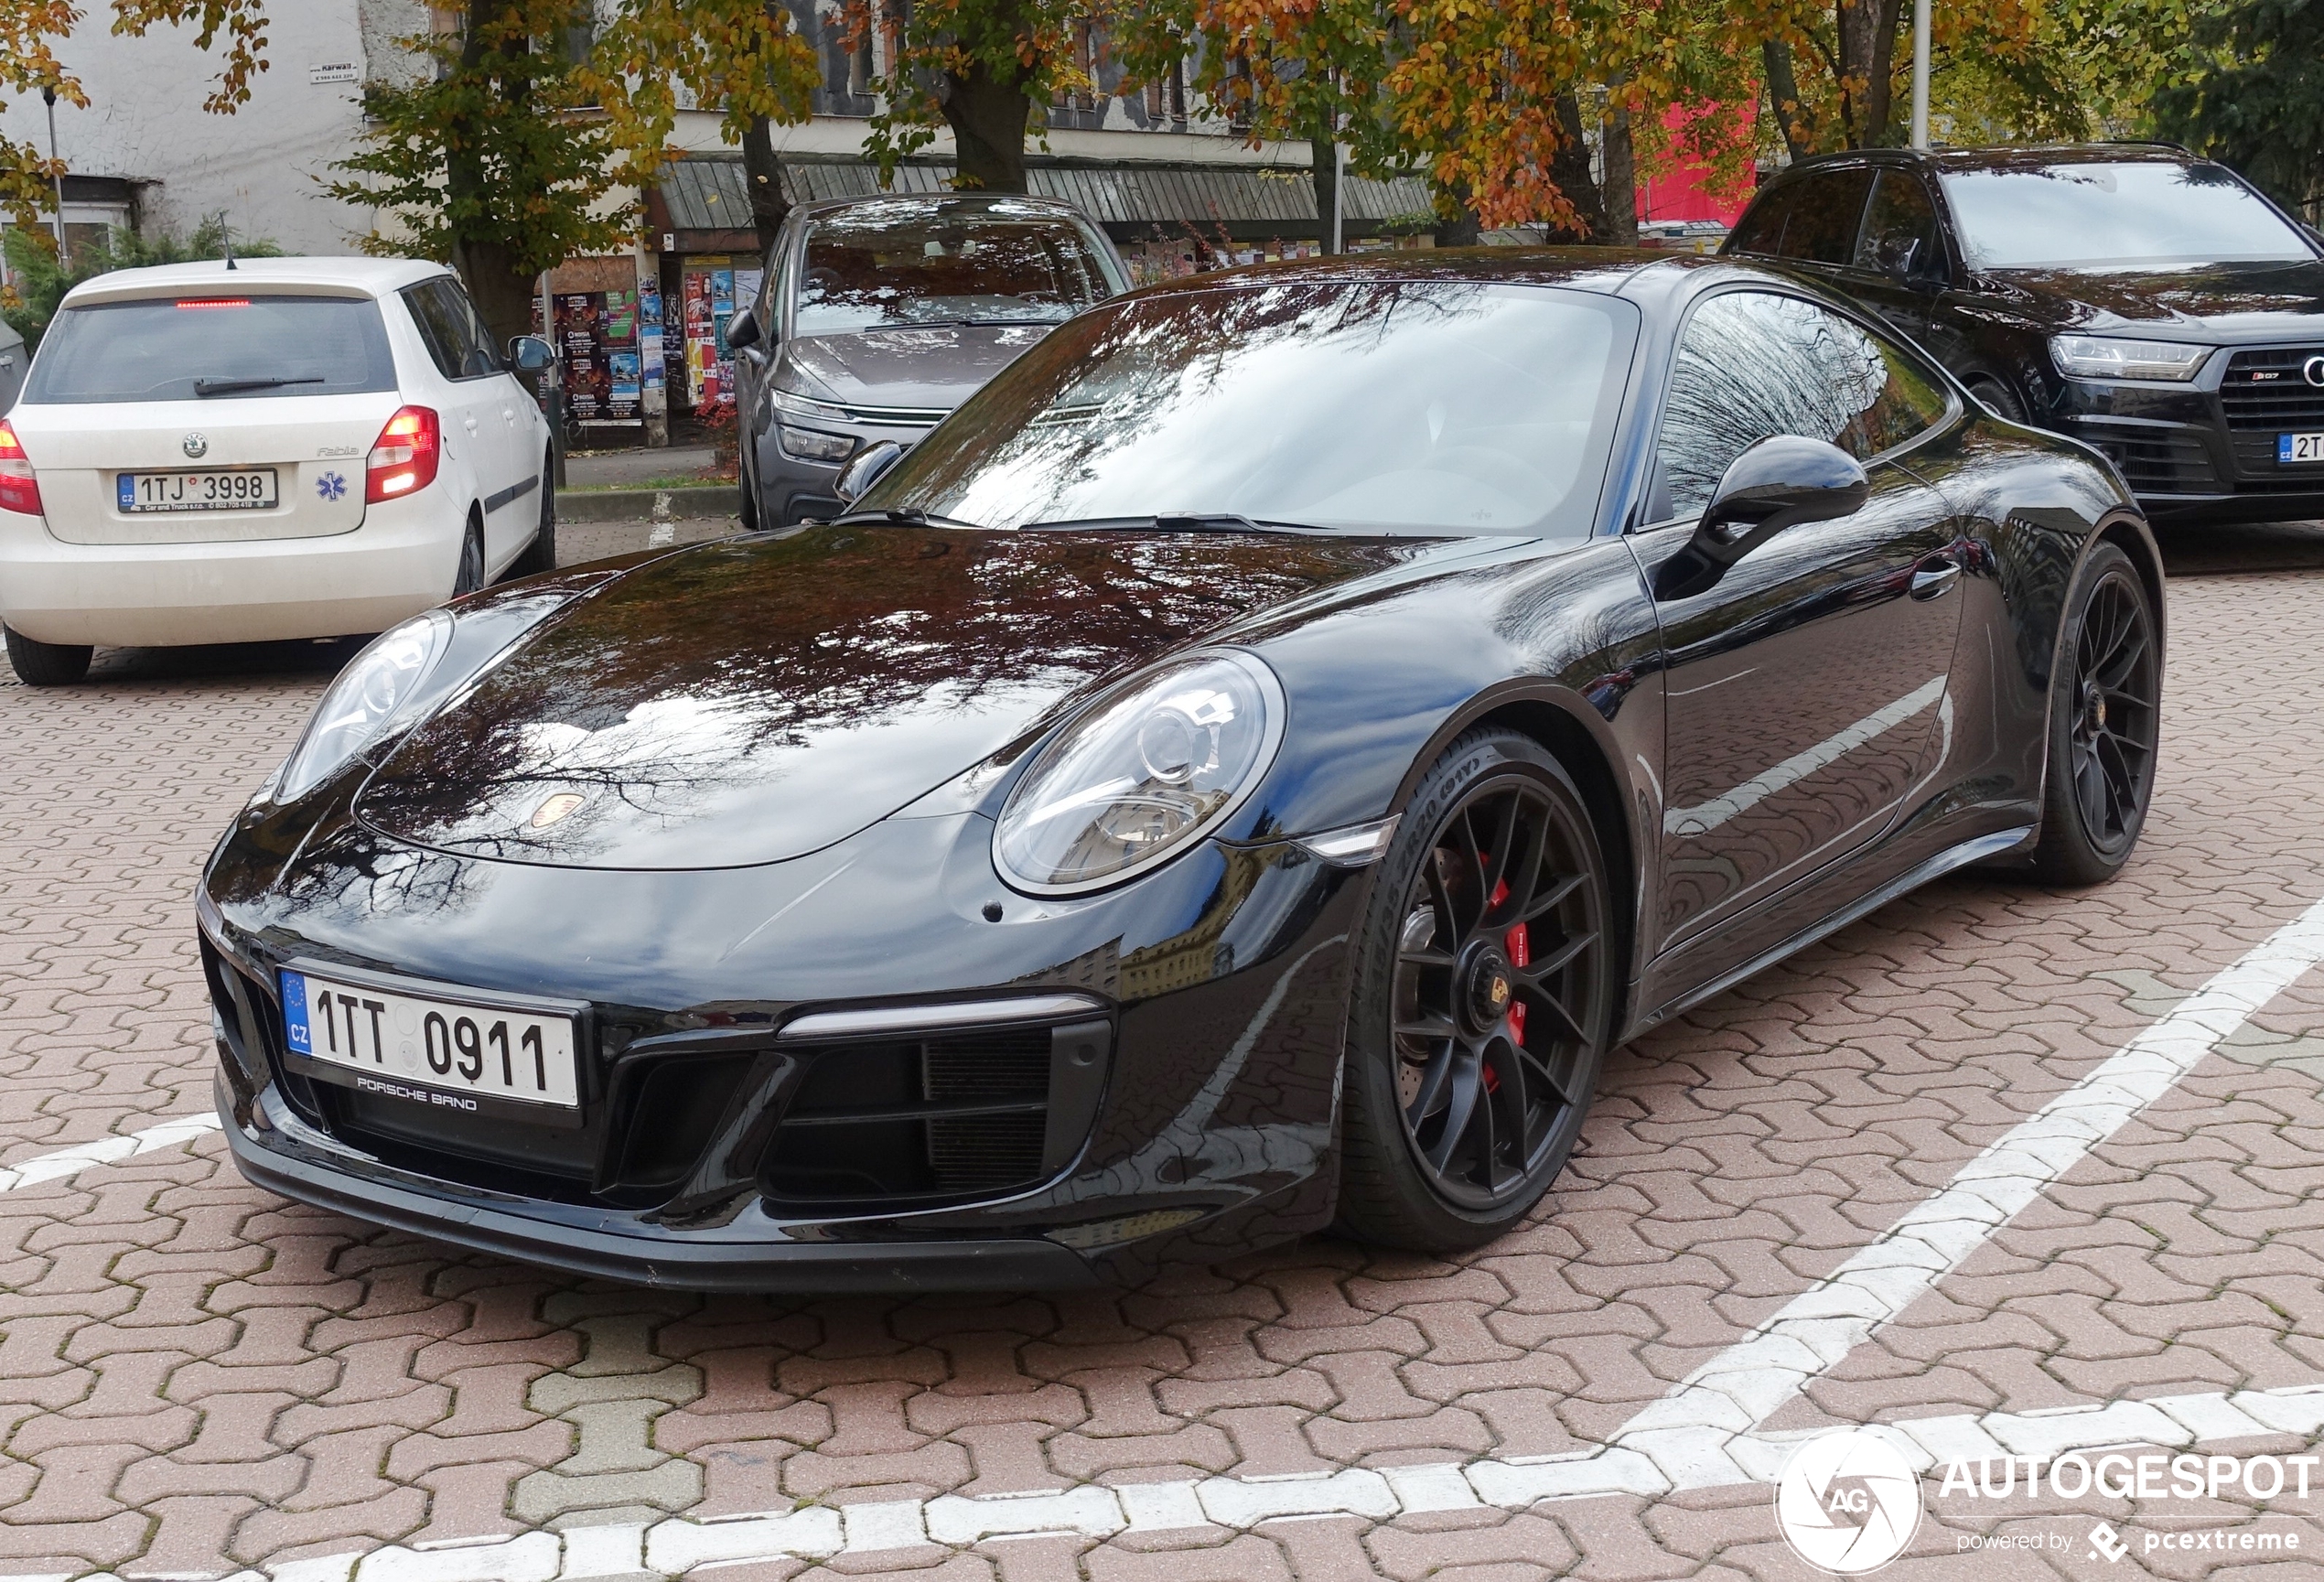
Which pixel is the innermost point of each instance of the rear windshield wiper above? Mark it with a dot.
(1175, 522)
(902, 519)
(228, 386)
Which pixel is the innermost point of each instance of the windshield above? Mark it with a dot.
(1367, 406)
(212, 348)
(2073, 216)
(906, 263)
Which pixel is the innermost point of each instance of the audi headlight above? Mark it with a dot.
(2099, 357)
(1142, 778)
(363, 702)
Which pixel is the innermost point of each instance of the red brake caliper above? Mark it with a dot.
(1520, 954)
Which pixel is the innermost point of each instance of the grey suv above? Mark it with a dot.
(880, 314)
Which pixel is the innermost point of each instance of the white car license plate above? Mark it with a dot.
(244, 488)
(2294, 447)
(437, 1051)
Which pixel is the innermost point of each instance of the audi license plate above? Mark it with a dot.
(445, 1053)
(244, 488)
(2296, 447)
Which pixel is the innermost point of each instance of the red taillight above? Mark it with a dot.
(19, 490)
(214, 302)
(405, 456)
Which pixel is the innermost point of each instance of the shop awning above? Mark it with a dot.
(1132, 199)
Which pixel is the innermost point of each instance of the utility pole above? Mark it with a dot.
(48, 97)
(1921, 73)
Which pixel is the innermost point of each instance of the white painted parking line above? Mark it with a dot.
(1686, 1432)
(64, 1163)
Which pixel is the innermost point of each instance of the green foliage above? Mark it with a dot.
(2257, 101)
(42, 279)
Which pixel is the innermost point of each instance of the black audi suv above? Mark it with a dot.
(2129, 294)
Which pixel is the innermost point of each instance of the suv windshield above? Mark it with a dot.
(211, 349)
(1367, 406)
(2077, 216)
(880, 264)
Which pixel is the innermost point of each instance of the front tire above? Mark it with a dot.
(1483, 1000)
(1996, 394)
(2105, 716)
(46, 663)
(469, 577)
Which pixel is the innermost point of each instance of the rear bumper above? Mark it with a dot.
(284, 1157)
(401, 561)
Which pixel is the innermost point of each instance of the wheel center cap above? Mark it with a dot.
(1488, 984)
(2093, 707)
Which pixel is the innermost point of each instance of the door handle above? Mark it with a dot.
(1934, 575)
(470, 422)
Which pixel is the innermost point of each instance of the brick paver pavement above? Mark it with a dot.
(196, 1377)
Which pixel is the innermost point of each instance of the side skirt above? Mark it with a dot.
(1982, 848)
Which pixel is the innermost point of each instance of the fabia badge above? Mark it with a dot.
(196, 445)
(556, 807)
(1848, 1503)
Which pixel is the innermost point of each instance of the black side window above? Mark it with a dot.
(456, 339)
(1900, 228)
(1822, 223)
(1761, 228)
(1753, 363)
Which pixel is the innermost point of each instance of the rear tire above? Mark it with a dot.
(2105, 706)
(46, 663)
(470, 575)
(541, 555)
(1458, 1112)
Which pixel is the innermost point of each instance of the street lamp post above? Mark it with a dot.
(48, 97)
(1921, 73)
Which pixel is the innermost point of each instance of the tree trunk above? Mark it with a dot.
(1854, 28)
(1879, 108)
(1621, 181)
(1323, 165)
(503, 296)
(1463, 229)
(768, 207)
(1791, 116)
(1569, 168)
(988, 118)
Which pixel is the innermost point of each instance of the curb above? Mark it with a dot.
(646, 504)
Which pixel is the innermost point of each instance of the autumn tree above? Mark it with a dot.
(987, 70)
(2258, 102)
(511, 154)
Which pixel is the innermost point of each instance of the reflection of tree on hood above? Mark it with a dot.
(698, 672)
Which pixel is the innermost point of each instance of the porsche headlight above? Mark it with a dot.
(2101, 357)
(1143, 778)
(364, 699)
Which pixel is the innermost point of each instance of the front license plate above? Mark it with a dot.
(2297, 447)
(442, 1052)
(244, 488)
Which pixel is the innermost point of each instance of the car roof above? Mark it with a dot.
(330, 276)
(1605, 269)
(2032, 156)
(935, 200)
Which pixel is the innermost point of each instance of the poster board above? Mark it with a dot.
(598, 339)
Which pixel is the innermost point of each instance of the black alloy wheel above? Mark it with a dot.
(2105, 722)
(1485, 988)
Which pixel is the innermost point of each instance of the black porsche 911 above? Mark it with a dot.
(1239, 773)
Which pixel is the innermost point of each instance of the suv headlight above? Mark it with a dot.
(365, 700)
(1142, 778)
(809, 444)
(2100, 357)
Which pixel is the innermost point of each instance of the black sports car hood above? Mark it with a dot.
(756, 699)
(2223, 304)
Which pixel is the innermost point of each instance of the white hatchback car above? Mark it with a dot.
(293, 448)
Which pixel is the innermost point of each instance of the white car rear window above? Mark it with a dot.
(207, 347)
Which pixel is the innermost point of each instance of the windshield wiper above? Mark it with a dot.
(1175, 522)
(900, 517)
(207, 386)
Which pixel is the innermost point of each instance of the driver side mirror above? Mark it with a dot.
(742, 330)
(531, 354)
(869, 465)
(1782, 481)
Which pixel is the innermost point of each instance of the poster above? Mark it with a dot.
(711, 295)
(598, 339)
